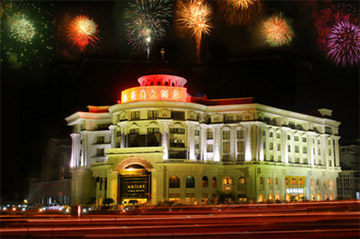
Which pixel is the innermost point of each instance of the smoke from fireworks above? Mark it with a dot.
(26, 35)
(82, 32)
(146, 21)
(240, 12)
(344, 44)
(194, 16)
(277, 31)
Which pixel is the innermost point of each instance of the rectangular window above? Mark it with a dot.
(318, 141)
(278, 135)
(241, 146)
(261, 180)
(305, 161)
(296, 138)
(296, 149)
(118, 133)
(264, 133)
(279, 158)
(289, 148)
(271, 146)
(153, 130)
(134, 131)
(304, 150)
(329, 152)
(286, 181)
(269, 181)
(135, 115)
(209, 134)
(240, 134)
(197, 132)
(100, 139)
(304, 140)
(264, 145)
(226, 134)
(153, 114)
(177, 131)
(278, 147)
(178, 115)
(297, 160)
(272, 158)
(289, 137)
(209, 148)
(270, 134)
(226, 147)
(319, 151)
(293, 181)
(100, 152)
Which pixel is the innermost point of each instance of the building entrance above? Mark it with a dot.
(134, 185)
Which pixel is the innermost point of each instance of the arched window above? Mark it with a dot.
(158, 83)
(166, 83)
(300, 181)
(242, 180)
(205, 182)
(190, 182)
(173, 84)
(152, 83)
(174, 182)
(227, 183)
(213, 182)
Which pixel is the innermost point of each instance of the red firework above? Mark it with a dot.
(82, 32)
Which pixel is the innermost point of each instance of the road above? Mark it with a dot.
(322, 220)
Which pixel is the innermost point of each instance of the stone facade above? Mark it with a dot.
(197, 151)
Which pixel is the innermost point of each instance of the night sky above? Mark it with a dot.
(235, 62)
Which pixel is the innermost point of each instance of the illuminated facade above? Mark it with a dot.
(159, 143)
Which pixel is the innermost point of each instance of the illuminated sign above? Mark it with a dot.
(148, 93)
(294, 190)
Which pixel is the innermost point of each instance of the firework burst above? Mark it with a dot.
(194, 16)
(277, 31)
(82, 32)
(26, 35)
(240, 12)
(344, 44)
(22, 30)
(146, 21)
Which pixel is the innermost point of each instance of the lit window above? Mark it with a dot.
(213, 182)
(205, 182)
(261, 180)
(286, 181)
(269, 181)
(242, 180)
(301, 181)
(227, 183)
(293, 181)
(174, 182)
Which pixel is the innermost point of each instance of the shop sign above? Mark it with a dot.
(157, 93)
(294, 190)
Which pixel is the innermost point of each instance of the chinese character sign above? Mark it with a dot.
(148, 93)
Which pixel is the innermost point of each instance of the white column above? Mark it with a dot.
(191, 142)
(164, 138)
(284, 141)
(75, 150)
(217, 143)
(232, 143)
(203, 142)
(247, 143)
(112, 135)
(261, 144)
(311, 156)
(336, 153)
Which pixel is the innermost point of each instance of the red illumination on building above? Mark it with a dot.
(150, 93)
(157, 88)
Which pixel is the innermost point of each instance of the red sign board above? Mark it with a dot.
(157, 93)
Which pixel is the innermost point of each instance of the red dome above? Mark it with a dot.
(163, 80)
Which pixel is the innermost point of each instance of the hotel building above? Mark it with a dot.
(159, 143)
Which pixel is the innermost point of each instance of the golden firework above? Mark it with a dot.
(194, 16)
